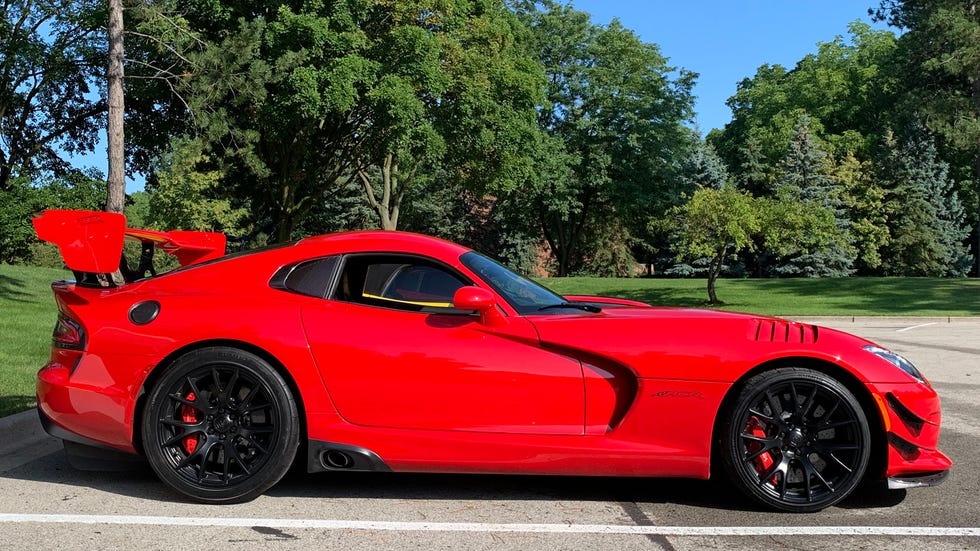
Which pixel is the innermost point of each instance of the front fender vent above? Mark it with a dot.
(775, 330)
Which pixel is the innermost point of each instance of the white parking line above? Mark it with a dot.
(920, 531)
(902, 330)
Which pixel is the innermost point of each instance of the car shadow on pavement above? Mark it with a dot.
(139, 481)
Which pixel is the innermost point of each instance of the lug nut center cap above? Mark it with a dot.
(223, 422)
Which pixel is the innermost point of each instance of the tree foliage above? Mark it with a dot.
(719, 223)
(616, 110)
(50, 93)
(927, 238)
(187, 196)
(939, 60)
(806, 178)
(843, 88)
(297, 99)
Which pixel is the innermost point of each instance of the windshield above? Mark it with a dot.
(526, 296)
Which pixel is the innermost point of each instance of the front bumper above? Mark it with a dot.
(912, 415)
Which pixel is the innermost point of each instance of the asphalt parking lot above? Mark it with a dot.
(46, 504)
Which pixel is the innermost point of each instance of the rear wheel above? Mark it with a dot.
(797, 440)
(221, 426)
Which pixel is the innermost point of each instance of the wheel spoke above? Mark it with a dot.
(835, 459)
(794, 397)
(227, 392)
(247, 401)
(194, 389)
(757, 453)
(811, 471)
(828, 413)
(825, 426)
(177, 438)
(250, 431)
(809, 403)
(763, 417)
(189, 403)
(250, 409)
(197, 426)
(781, 467)
(229, 451)
(782, 486)
(255, 443)
(773, 404)
(835, 447)
(216, 380)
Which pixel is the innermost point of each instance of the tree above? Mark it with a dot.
(806, 178)
(616, 110)
(940, 50)
(703, 167)
(295, 100)
(716, 223)
(865, 198)
(116, 140)
(50, 87)
(927, 220)
(721, 223)
(845, 89)
(185, 195)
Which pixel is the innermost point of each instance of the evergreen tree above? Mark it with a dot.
(755, 175)
(703, 168)
(806, 178)
(928, 220)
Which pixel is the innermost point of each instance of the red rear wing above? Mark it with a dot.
(92, 241)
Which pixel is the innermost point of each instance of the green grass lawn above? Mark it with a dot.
(27, 316)
(887, 296)
(27, 309)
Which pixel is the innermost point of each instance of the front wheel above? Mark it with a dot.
(220, 426)
(797, 440)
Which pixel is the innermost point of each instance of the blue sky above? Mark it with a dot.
(726, 41)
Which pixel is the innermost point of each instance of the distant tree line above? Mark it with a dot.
(519, 127)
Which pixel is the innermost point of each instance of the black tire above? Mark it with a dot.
(220, 426)
(795, 440)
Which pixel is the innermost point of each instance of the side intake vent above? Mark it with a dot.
(765, 330)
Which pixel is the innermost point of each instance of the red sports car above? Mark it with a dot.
(387, 351)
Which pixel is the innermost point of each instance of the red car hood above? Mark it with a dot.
(687, 343)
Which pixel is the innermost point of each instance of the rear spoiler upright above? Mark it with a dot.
(91, 244)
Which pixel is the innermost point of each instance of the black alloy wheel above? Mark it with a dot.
(797, 440)
(221, 426)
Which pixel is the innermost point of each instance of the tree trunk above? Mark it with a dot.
(116, 200)
(393, 189)
(714, 269)
(976, 177)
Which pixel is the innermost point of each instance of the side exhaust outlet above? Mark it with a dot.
(335, 459)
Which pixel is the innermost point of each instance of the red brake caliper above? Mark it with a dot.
(189, 415)
(764, 461)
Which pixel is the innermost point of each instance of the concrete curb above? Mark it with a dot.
(19, 429)
(910, 320)
(22, 439)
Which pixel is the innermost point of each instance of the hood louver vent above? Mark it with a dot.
(765, 330)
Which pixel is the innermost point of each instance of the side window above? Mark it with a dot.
(401, 282)
(312, 277)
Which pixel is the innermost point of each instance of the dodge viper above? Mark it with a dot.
(390, 351)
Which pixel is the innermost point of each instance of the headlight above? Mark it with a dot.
(896, 361)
